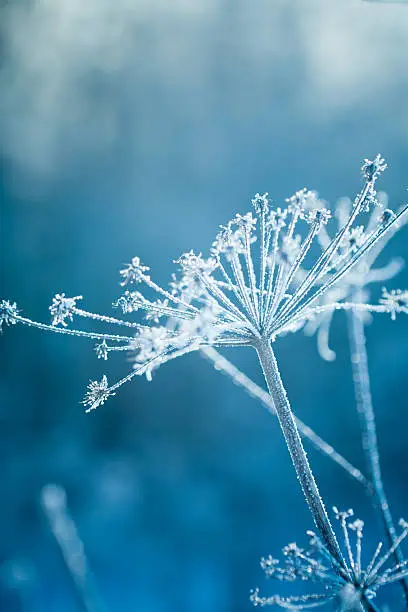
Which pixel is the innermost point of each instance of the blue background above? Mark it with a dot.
(136, 128)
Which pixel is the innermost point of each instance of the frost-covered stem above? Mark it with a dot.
(239, 378)
(112, 320)
(264, 251)
(251, 273)
(290, 431)
(361, 379)
(169, 296)
(72, 332)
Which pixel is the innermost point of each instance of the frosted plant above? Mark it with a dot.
(54, 505)
(355, 286)
(347, 584)
(249, 292)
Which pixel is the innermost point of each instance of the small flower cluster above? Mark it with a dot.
(8, 313)
(98, 392)
(63, 308)
(346, 583)
(395, 301)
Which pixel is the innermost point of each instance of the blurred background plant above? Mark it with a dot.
(135, 127)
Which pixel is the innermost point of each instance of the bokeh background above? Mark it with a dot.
(136, 127)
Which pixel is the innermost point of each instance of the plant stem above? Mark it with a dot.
(66, 535)
(290, 431)
(365, 410)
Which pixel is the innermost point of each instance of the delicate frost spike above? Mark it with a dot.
(348, 583)
(134, 272)
(8, 313)
(63, 308)
(102, 350)
(97, 394)
(395, 301)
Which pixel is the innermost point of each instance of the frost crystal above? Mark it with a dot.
(98, 392)
(347, 583)
(8, 313)
(134, 272)
(102, 350)
(395, 301)
(63, 308)
(372, 169)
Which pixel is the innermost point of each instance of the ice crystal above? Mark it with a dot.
(348, 583)
(260, 282)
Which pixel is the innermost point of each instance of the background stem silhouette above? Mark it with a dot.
(365, 410)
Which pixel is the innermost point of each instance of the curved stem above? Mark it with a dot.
(361, 379)
(296, 450)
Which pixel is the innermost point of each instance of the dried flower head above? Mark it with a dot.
(260, 282)
(348, 583)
